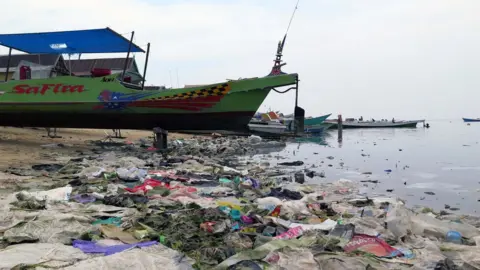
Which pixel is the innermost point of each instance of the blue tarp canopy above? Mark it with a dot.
(69, 42)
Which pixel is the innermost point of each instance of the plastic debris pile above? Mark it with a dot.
(201, 206)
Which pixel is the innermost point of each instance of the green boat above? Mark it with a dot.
(315, 121)
(119, 101)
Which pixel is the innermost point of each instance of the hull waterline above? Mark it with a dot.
(234, 121)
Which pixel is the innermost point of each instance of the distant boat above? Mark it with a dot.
(271, 123)
(309, 123)
(266, 127)
(312, 121)
(351, 123)
(471, 120)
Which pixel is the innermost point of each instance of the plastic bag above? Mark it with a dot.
(372, 245)
(57, 194)
(399, 221)
(132, 174)
(291, 208)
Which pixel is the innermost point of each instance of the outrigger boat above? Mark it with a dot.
(352, 123)
(116, 101)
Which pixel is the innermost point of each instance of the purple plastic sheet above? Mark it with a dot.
(84, 198)
(255, 182)
(92, 247)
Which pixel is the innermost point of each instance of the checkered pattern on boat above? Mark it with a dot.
(218, 90)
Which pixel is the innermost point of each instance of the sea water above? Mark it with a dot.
(411, 163)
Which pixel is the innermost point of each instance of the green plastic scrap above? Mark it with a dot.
(162, 191)
(117, 221)
(162, 239)
(224, 180)
(237, 180)
(110, 176)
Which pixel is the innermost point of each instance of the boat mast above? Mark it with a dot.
(178, 81)
(128, 55)
(277, 66)
(146, 63)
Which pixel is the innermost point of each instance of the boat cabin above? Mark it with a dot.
(41, 66)
(52, 45)
(99, 67)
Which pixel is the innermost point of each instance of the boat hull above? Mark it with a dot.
(73, 102)
(404, 124)
(234, 121)
(267, 129)
(468, 120)
(316, 120)
(318, 128)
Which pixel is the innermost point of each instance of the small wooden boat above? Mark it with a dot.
(267, 127)
(352, 123)
(312, 121)
(468, 120)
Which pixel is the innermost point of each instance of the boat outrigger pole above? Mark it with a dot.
(128, 55)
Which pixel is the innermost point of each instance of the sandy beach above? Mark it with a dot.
(28, 146)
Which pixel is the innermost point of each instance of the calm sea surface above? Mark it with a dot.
(444, 159)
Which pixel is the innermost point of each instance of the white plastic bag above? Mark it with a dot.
(57, 194)
(132, 174)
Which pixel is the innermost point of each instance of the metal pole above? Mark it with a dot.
(145, 67)
(295, 117)
(8, 63)
(296, 93)
(128, 55)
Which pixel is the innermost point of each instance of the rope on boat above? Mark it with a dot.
(283, 92)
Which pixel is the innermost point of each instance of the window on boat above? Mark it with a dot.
(26, 70)
(131, 80)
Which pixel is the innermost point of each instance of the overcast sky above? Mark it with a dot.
(375, 58)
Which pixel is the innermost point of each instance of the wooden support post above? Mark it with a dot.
(8, 63)
(299, 114)
(161, 138)
(117, 133)
(340, 128)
